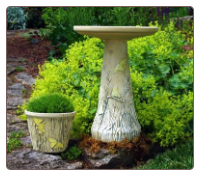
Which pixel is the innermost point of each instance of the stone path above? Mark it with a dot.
(29, 159)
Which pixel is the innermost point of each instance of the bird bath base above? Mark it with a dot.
(115, 119)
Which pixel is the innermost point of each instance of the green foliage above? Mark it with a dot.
(178, 11)
(16, 18)
(179, 158)
(163, 57)
(34, 17)
(50, 103)
(13, 141)
(43, 33)
(165, 111)
(78, 78)
(20, 111)
(19, 69)
(71, 153)
(61, 30)
(60, 20)
(167, 119)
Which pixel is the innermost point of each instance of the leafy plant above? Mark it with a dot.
(71, 153)
(167, 119)
(34, 17)
(162, 56)
(16, 18)
(13, 140)
(50, 103)
(20, 111)
(179, 158)
(19, 69)
(60, 21)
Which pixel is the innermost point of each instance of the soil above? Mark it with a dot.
(32, 53)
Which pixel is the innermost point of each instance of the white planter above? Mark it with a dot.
(50, 132)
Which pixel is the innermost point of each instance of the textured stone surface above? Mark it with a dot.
(9, 59)
(9, 81)
(13, 102)
(26, 140)
(16, 89)
(10, 70)
(22, 126)
(76, 165)
(106, 160)
(12, 118)
(25, 78)
(29, 159)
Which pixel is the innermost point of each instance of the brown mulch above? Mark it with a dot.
(139, 146)
(33, 54)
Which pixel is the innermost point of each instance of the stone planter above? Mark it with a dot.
(50, 131)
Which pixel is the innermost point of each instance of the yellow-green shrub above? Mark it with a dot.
(167, 119)
(162, 56)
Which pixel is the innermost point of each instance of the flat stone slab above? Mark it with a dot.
(26, 141)
(10, 70)
(29, 159)
(15, 59)
(13, 102)
(14, 63)
(9, 82)
(22, 126)
(12, 118)
(106, 160)
(25, 78)
(15, 89)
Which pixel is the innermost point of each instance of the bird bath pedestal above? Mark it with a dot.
(115, 118)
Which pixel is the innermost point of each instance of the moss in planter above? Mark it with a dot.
(50, 103)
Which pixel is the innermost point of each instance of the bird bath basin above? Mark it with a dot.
(115, 118)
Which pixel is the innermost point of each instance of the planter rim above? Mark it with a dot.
(52, 115)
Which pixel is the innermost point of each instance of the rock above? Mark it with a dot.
(16, 89)
(11, 32)
(10, 70)
(29, 159)
(15, 59)
(12, 118)
(26, 141)
(187, 18)
(34, 41)
(13, 102)
(22, 126)
(9, 82)
(25, 78)
(16, 86)
(76, 165)
(106, 160)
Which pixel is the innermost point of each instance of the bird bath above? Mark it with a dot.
(115, 118)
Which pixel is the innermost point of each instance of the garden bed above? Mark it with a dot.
(32, 51)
